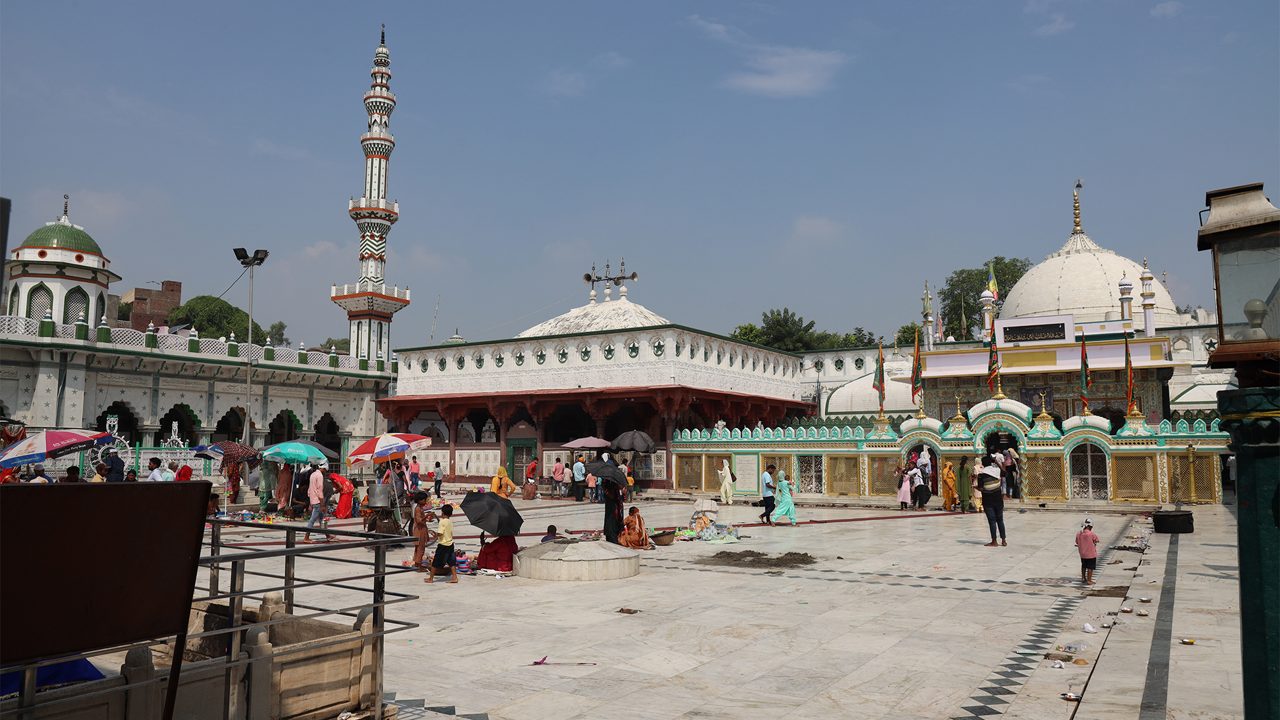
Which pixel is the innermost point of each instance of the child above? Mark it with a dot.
(444, 557)
(421, 516)
(1087, 544)
(551, 534)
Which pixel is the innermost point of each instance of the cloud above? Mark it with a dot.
(1166, 9)
(1058, 24)
(269, 149)
(812, 232)
(320, 249)
(575, 82)
(774, 70)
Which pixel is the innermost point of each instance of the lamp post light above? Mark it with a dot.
(249, 261)
(1243, 231)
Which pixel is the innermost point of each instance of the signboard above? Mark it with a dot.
(747, 468)
(1035, 333)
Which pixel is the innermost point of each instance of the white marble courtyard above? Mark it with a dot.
(901, 617)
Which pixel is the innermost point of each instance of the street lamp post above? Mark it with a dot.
(249, 261)
(1243, 231)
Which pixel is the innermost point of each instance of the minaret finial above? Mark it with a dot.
(66, 205)
(383, 39)
(1075, 197)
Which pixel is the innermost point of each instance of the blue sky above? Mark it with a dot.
(827, 156)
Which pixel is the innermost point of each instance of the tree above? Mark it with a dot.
(341, 345)
(906, 335)
(750, 332)
(785, 330)
(958, 299)
(275, 333)
(214, 317)
(124, 311)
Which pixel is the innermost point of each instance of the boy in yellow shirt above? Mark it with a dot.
(444, 558)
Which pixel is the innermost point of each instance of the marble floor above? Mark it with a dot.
(903, 616)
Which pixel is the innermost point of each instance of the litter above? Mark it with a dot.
(628, 611)
(543, 661)
(1143, 613)
(1074, 648)
(1089, 628)
(1188, 641)
(1070, 697)
(1057, 665)
(1144, 599)
(1079, 661)
(1126, 609)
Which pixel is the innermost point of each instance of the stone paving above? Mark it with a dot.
(903, 616)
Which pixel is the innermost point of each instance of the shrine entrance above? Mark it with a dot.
(1089, 472)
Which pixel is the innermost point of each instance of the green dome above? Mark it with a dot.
(62, 235)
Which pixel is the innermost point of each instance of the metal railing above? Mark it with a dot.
(234, 571)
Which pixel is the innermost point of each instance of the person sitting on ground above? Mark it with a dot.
(444, 558)
(634, 534)
(99, 473)
(39, 477)
(73, 475)
(551, 534)
(498, 554)
(501, 484)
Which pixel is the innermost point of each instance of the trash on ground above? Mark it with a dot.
(1143, 613)
(1057, 656)
(1079, 661)
(544, 661)
(1144, 599)
(1057, 665)
(628, 611)
(1070, 697)
(1089, 628)
(1126, 609)
(1188, 641)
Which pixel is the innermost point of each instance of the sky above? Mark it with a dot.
(826, 156)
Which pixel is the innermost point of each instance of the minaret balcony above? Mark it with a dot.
(374, 208)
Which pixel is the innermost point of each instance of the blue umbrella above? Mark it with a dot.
(293, 451)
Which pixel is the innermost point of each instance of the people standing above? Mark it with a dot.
(948, 482)
(919, 488)
(233, 482)
(530, 489)
(611, 495)
(501, 484)
(925, 464)
(557, 479)
(904, 487)
(1087, 544)
(184, 473)
(579, 478)
(284, 486)
(726, 482)
(766, 494)
(1013, 472)
(421, 517)
(963, 489)
(437, 479)
(988, 479)
(170, 472)
(115, 466)
(593, 484)
(444, 558)
(414, 477)
(153, 470)
(315, 497)
(266, 487)
(786, 508)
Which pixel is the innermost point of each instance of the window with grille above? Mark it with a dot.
(1088, 472)
(810, 474)
(1135, 478)
(1042, 477)
(842, 475)
(883, 480)
(1192, 479)
(39, 302)
(689, 472)
(75, 305)
(13, 302)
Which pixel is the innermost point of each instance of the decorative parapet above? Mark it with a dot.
(957, 429)
(927, 424)
(1007, 405)
(1097, 422)
(187, 347)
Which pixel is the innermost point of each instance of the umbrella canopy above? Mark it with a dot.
(332, 455)
(230, 452)
(294, 451)
(607, 471)
(492, 513)
(51, 444)
(388, 446)
(587, 443)
(634, 440)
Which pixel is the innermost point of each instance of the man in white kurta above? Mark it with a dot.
(726, 483)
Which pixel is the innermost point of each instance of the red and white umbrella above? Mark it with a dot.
(387, 447)
(51, 444)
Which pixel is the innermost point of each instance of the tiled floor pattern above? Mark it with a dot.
(417, 709)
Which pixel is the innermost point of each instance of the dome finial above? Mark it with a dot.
(1075, 202)
(383, 39)
(66, 205)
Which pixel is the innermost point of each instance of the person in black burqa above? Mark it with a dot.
(611, 490)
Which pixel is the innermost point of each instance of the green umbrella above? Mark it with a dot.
(294, 451)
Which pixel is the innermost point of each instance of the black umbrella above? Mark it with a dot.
(607, 471)
(634, 440)
(492, 513)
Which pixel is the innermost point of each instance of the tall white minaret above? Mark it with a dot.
(369, 302)
(1148, 301)
(1126, 298)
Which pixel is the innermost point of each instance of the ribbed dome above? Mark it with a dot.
(858, 396)
(1083, 280)
(62, 234)
(618, 314)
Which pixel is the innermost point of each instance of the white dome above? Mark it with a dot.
(620, 314)
(1083, 280)
(858, 397)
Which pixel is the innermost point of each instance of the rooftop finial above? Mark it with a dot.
(66, 205)
(383, 39)
(1075, 197)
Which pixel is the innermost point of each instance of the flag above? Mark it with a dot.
(1128, 376)
(993, 365)
(1086, 377)
(991, 282)
(878, 382)
(940, 334)
(917, 372)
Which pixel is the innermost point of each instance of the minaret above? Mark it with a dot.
(369, 302)
(1148, 301)
(926, 314)
(1126, 298)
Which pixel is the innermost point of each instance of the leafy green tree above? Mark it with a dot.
(906, 335)
(340, 345)
(785, 330)
(859, 337)
(275, 333)
(214, 317)
(749, 332)
(124, 311)
(958, 299)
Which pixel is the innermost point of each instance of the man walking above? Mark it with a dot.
(557, 479)
(766, 494)
(115, 466)
(988, 481)
(437, 478)
(414, 477)
(315, 496)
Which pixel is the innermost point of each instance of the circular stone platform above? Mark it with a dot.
(572, 559)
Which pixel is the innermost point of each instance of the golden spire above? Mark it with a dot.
(958, 417)
(1044, 410)
(999, 388)
(1075, 202)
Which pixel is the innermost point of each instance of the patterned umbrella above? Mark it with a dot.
(234, 453)
(51, 444)
(386, 447)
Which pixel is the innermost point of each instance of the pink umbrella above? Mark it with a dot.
(587, 443)
(51, 444)
(387, 447)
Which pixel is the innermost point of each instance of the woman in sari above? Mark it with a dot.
(785, 507)
(634, 534)
(501, 484)
(963, 488)
(498, 555)
(284, 486)
(346, 491)
(948, 486)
